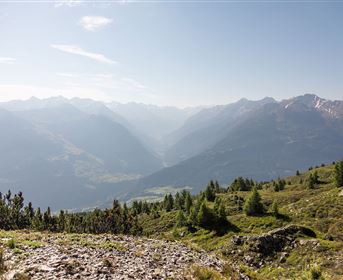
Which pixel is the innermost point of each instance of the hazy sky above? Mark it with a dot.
(171, 53)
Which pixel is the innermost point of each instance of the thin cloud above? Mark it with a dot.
(73, 49)
(7, 60)
(67, 3)
(106, 81)
(93, 23)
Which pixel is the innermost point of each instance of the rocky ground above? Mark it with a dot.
(52, 256)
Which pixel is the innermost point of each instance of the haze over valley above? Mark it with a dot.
(58, 149)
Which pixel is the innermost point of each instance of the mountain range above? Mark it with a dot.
(78, 153)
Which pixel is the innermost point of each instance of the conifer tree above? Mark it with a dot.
(217, 203)
(275, 209)
(168, 202)
(216, 187)
(204, 217)
(188, 202)
(61, 221)
(47, 219)
(181, 220)
(312, 180)
(339, 173)
(222, 213)
(210, 192)
(37, 222)
(253, 205)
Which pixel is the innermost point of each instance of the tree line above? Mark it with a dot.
(204, 210)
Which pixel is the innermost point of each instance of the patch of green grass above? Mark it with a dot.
(112, 245)
(107, 263)
(32, 243)
(21, 276)
(205, 273)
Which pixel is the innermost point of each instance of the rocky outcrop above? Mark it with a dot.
(258, 248)
(105, 257)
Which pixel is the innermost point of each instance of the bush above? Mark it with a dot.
(314, 273)
(11, 244)
(2, 261)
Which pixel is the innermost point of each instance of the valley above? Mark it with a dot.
(100, 151)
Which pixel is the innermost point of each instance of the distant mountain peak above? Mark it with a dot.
(310, 101)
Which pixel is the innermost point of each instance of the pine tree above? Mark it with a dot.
(168, 202)
(217, 203)
(47, 219)
(204, 217)
(216, 187)
(253, 205)
(339, 173)
(37, 221)
(181, 220)
(61, 221)
(275, 209)
(312, 180)
(222, 213)
(210, 192)
(178, 201)
(15, 213)
(188, 202)
(29, 213)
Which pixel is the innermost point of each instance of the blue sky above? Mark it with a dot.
(181, 53)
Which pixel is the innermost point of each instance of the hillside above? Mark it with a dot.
(319, 209)
(273, 139)
(299, 238)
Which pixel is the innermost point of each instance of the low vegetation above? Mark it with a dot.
(211, 219)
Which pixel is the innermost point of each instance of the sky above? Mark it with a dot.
(180, 53)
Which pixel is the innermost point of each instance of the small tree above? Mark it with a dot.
(210, 192)
(168, 202)
(204, 217)
(253, 205)
(312, 180)
(339, 174)
(188, 202)
(275, 209)
(181, 220)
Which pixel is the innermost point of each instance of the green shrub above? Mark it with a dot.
(2, 261)
(11, 244)
(205, 273)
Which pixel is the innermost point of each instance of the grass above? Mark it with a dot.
(107, 263)
(205, 273)
(21, 276)
(320, 209)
